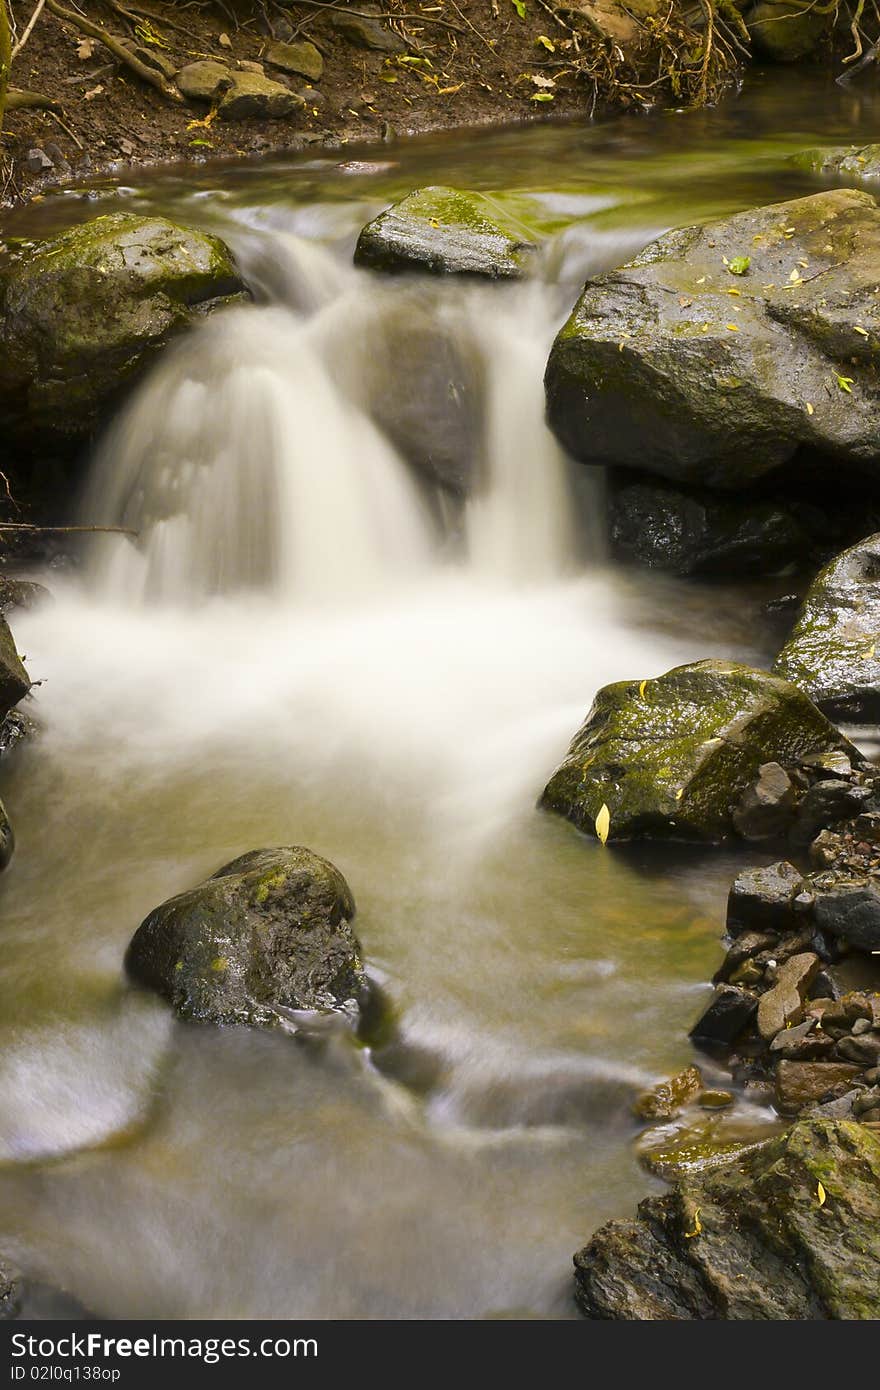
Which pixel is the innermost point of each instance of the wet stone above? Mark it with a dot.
(762, 898)
(800, 1083)
(729, 1012)
(784, 1003)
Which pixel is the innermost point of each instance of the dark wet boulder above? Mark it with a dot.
(728, 1013)
(449, 232)
(723, 350)
(14, 680)
(21, 593)
(268, 934)
(752, 1239)
(671, 757)
(689, 531)
(786, 31)
(848, 907)
(855, 161)
(84, 314)
(763, 899)
(833, 653)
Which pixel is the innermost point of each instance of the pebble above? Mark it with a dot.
(714, 1100)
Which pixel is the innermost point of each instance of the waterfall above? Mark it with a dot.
(265, 452)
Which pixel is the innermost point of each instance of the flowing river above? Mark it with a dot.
(308, 645)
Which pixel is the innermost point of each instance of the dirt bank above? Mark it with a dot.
(400, 68)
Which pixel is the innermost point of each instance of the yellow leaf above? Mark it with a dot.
(733, 327)
(870, 652)
(642, 685)
(794, 277)
(702, 280)
(603, 823)
(543, 40)
(809, 408)
(738, 293)
(863, 331)
(689, 1235)
(820, 1194)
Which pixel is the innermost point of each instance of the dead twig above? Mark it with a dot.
(64, 530)
(29, 29)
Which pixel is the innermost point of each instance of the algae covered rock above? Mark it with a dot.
(856, 161)
(787, 30)
(269, 932)
(752, 1239)
(722, 350)
(671, 757)
(449, 232)
(84, 314)
(833, 653)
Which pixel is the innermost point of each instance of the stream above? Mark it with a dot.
(309, 645)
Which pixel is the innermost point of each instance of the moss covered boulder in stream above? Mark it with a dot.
(861, 162)
(269, 933)
(833, 652)
(722, 350)
(788, 1231)
(83, 315)
(448, 232)
(672, 757)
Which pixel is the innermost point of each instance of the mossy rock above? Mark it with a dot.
(671, 757)
(752, 1240)
(269, 932)
(83, 315)
(14, 679)
(448, 232)
(833, 653)
(787, 30)
(253, 97)
(860, 162)
(302, 59)
(677, 366)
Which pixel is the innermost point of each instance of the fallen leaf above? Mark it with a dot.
(809, 408)
(541, 96)
(871, 652)
(85, 49)
(821, 1194)
(702, 280)
(733, 327)
(520, 7)
(603, 824)
(540, 81)
(794, 277)
(689, 1235)
(543, 40)
(845, 383)
(740, 265)
(863, 331)
(94, 92)
(642, 685)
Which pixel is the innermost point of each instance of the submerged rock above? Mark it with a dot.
(268, 933)
(672, 757)
(833, 652)
(85, 313)
(751, 1239)
(696, 532)
(449, 232)
(679, 367)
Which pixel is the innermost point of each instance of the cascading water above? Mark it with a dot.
(364, 610)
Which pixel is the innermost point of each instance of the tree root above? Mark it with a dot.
(118, 49)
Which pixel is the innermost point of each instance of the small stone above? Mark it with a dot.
(302, 59)
(868, 1100)
(744, 947)
(224, 40)
(792, 1036)
(667, 1098)
(762, 898)
(367, 32)
(872, 1077)
(750, 973)
(38, 162)
(729, 1011)
(766, 809)
(862, 1025)
(800, 1083)
(871, 1117)
(835, 764)
(246, 65)
(864, 1049)
(784, 1003)
(714, 1100)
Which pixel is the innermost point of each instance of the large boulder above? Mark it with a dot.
(833, 653)
(722, 350)
(268, 933)
(446, 231)
(83, 315)
(788, 1231)
(14, 679)
(690, 531)
(204, 79)
(672, 757)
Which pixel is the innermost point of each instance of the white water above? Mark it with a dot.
(307, 644)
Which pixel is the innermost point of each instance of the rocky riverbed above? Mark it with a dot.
(719, 361)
